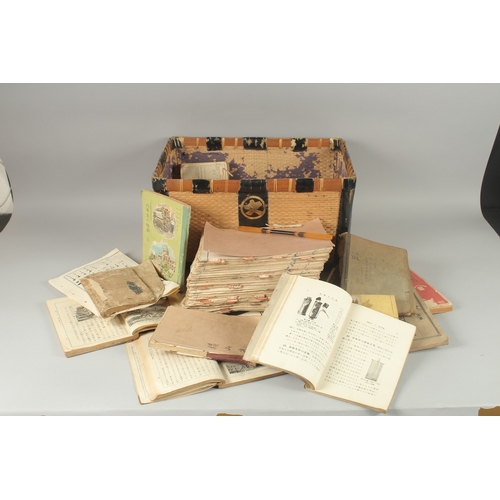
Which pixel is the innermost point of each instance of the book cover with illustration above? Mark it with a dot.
(165, 234)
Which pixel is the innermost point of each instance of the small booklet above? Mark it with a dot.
(70, 283)
(80, 331)
(434, 300)
(313, 330)
(165, 232)
(204, 334)
(160, 375)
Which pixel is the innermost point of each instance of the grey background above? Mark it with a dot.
(79, 154)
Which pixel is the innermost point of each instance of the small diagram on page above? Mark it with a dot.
(374, 370)
(164, 220)
(317, 308)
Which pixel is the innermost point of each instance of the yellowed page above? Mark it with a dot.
(299, 327)
(80, 331)
(162, 375)
(369, 358)
(429, 333)
(237, 373)
(144, 319)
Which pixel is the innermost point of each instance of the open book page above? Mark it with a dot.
(161, 375)
(237, 373)
(69, 283)
(80, 331)
(368, 360)
(299, 327)
(145, 319)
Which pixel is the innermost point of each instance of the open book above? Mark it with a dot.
(160, 375)
(313, 330)
(80, 331)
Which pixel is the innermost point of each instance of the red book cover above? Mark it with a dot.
(434, 300)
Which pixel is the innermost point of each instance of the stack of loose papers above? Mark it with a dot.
(238, 271)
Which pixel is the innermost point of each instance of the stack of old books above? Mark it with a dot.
(238, 271)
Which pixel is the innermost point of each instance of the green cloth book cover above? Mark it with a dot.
(165, 234)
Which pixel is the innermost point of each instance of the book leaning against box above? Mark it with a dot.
(313, 330)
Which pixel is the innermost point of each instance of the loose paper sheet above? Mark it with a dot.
(237, 243)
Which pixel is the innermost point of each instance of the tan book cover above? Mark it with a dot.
(429, 333)
(369, 267)
(204, 334)
(119, 290)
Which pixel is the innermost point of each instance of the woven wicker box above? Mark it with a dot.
(271, 181)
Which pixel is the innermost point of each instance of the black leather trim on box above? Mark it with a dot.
(201, 186)
(300, 144)
(346, 200)
(258, 143)
(175, 143)
(159, 185)
(304, 185)
(214, 143)
(336, 144)
(253, 203)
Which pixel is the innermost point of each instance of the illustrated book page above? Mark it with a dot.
(165, 234)
(313, 330)
(204, 334)
(160, 375)
(369, 267)
(299, 327)
(368, 359)
(79, 331)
